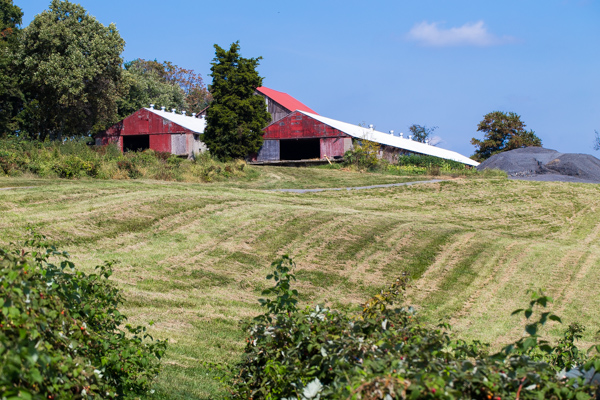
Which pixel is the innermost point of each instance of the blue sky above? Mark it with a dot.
(393, 63)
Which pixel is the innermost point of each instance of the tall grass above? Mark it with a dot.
(75, 159)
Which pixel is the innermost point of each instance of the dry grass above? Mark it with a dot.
(193, 256)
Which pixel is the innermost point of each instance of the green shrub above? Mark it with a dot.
(61, 333)
(429, 161)
(364, 155)
(384, 352)
(74, 159)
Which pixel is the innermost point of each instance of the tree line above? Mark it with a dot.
(63, 75)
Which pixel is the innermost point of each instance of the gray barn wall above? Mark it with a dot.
(178, 144)
(269, 151)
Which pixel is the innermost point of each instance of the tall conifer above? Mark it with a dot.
(236, 116)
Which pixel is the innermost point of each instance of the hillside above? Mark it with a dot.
(193, 256)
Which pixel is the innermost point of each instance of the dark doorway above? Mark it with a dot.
(300, 149)
(136, 142)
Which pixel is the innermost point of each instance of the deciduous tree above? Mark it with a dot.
(164, 84)
(10, 93)
(503, 132)
(236, 116)
(421, 133)
(71, 71)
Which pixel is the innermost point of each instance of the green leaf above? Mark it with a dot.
(554, 317)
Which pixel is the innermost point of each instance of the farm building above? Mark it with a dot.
(303, 135)
(279, 104)
(158, 130)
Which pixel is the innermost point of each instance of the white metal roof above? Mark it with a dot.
(387, 139)
(192, 123)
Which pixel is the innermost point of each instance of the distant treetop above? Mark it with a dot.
(503, 132)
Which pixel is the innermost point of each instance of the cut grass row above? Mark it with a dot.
(192, 257)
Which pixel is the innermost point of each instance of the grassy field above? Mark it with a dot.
(193, 257)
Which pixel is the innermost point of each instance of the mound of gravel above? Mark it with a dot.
(537, 163)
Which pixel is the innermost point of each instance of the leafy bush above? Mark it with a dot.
(364, 155)
(429, 161)
(384, 352)
(73, 159)
(61, 333)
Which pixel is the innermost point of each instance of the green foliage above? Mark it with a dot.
(429, 161)
(61, 333)
(364, 155)
(236, 116)
(76, 159)
(70, 66)
(421, 133)
(163, 84)
(384, 352)
(503, 132)
(285, 297)
(10, 92)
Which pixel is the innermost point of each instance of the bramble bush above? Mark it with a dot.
(384, 352)
(61, 333)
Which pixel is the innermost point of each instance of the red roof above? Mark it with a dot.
(285, 100)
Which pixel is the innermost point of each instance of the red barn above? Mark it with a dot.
(302, 135)
(158, 130)
(299, 136)
(279, 104)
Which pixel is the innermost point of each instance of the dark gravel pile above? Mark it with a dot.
(539, 164)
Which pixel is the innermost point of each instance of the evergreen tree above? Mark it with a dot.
(71, 72)
(236, 116)
(10, 93)
(503, 132)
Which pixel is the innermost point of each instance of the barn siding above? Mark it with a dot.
(297, 125)
(178, 144)
(269, 151)
(160, 143)
(332, 147)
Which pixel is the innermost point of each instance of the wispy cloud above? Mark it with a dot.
(470, 34)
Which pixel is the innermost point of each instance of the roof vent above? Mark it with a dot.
(392, 132)
(193, 115)
(426, 141)
(152, 106)
(371, 127)
(202, 116)
(162, 108)
(173, 110)
(183, 113)
(401, 135)
(409, 137)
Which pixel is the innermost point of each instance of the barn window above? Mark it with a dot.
(300, 149)
(136, 142)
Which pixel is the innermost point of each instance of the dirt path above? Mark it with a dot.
(355, 188)
(18, 187)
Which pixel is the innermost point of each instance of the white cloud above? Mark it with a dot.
(470, 34)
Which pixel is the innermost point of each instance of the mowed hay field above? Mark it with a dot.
(193, 257)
